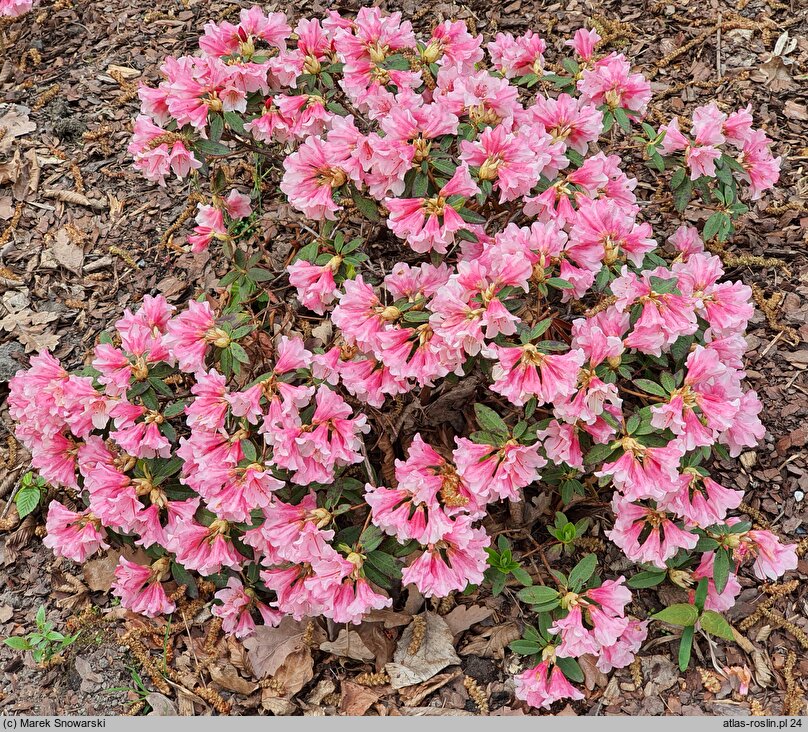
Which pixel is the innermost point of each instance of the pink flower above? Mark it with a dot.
(604, 224)
(311, 175)
(662, 538)
(504, 159)
(584, 43)
(611, 82)
(535, 687)
(576, 640)
(361, 316)
(621, 653)
(719, 602)
(15, 8)
(73, 535)
(762, 170)
(140, 588)
(523, 371)
(430, 224)
(204, 549)
(772, 559)
(700, 500)
(497, 472)
(561, 444)
(458, 560)
(315, 283)
(451, 43)
(189, 334)
(517, 56)
(235, 610)
(746, 429)
(567, 120)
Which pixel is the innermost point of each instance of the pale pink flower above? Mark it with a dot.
(140, 589)
(658, 545)
(235, 610)
(73, 535)
(457, 561)
(497, 472)
(504, 159)
(584, 43)
(541, 690)
(315, 283)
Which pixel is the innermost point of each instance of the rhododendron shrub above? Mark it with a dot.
(521, 263)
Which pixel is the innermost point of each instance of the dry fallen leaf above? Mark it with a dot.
(492, 641)
(355, 700)
(463, 617)
(14, 120)
(161, 705)
(282, 653)
(99, 574)
(67, 254)
(6, 613)
(348, 645)
(434, 653)
(226, 676)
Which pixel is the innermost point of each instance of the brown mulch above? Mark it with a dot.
(82, 238)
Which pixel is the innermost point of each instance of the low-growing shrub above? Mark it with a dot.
(518, 259)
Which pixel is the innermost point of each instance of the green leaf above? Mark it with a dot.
(559, 283)
(721, 564)
(238, 352)
(420, 186)
(650, 387)
(235, 122)
(522, 576)
(677, 178)
(385, 563)
(27, 499)
(713, 225)
(685, 647)
(371, 537)
(682, 195)
(717, 625)
(582, 572)
(622, 118)
(537, 594)
(366, 206)
(183, 577)
(207, 147)
(498, 583)
(489, 420)
(470, 216)
(17, 643)
(570, 668)
(643, 580)
(525, 647)
(681, 613)
(701, 593)
(599, 454)
(216, 128)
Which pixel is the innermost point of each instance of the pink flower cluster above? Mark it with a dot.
(528, 267)
(712, 129)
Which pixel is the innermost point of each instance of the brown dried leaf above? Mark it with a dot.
(355, 700)
(99, 574)
(434, 653)
(463, 617)
(348, 645)
(414, 695)
(227, 677)
(67, 254)
(295, 672)
(491, 642)
(14, 119)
